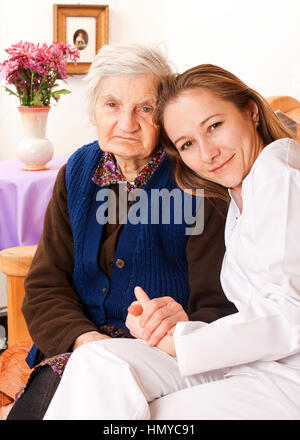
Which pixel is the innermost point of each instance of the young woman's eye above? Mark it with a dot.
(214, 126)
(185, 145)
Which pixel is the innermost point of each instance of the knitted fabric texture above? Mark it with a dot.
(154, 255)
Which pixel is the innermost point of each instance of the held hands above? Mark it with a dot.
(153, 319)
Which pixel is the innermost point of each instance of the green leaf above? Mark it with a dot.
(57, 93)
(37, 100)
(11, 92)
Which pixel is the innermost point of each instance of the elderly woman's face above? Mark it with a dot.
(213, 137)
(124, 116)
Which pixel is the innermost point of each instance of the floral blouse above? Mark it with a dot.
(108, 171)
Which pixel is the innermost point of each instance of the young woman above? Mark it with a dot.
(224, 137)
(221, 132)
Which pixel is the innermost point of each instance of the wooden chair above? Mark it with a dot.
(15, 263)
(288, 105)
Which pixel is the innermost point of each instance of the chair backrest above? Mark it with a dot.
(287, 105)
(283, 103)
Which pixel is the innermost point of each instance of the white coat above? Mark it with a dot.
(261, 275)
(242, 366)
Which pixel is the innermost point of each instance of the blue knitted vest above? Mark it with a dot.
(154, 255)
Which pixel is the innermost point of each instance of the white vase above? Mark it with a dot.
(34, 150)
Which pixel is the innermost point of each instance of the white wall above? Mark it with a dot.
(258, 40)
(32, 20)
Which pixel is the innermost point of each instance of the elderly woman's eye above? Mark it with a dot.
(111, 104)
(147, 109)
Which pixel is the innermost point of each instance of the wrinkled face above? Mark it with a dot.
(124, 113)
(214, 138)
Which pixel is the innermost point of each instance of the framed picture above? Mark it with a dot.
(83, 26)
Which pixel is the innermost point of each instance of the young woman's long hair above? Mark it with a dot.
(226, 86)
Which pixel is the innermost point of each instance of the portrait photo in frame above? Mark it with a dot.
(83, 26)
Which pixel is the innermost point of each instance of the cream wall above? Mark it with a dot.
(32, 20)
(258, 40)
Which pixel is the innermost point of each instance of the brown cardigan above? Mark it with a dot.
(52, 308)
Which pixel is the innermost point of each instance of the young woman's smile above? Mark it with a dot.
(214, 138)
(220, 168)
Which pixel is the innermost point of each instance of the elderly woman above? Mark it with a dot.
(87, 264)
(223, 135)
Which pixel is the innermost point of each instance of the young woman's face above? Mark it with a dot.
(215, 139)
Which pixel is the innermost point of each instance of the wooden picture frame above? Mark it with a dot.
(85, 27)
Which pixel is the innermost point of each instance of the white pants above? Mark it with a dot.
(116, 379)
(239, 397)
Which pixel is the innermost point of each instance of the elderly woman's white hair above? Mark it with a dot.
(123, 59)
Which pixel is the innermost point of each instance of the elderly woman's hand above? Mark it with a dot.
(133, 319)
(157, 318)
(88, 337)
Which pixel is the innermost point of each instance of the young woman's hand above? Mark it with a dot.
(157, 317)
(133, 322)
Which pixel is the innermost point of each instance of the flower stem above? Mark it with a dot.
(31, 85)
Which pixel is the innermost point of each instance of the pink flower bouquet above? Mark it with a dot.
(34, 70)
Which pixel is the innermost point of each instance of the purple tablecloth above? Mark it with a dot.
(24, 196)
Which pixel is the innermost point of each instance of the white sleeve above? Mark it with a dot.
(268, 326)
